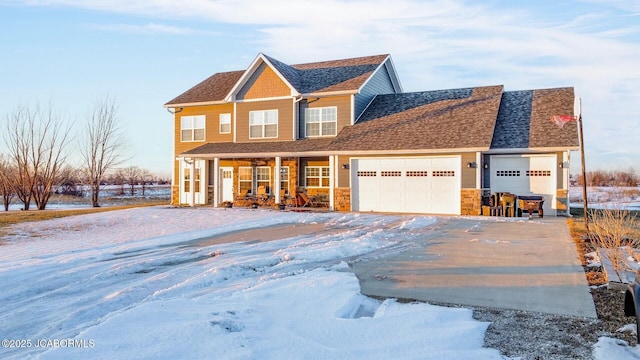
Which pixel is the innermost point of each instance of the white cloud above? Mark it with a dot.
(150, 28)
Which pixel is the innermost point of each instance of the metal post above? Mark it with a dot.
(584, 175)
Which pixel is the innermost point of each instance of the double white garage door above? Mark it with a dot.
(407, 185)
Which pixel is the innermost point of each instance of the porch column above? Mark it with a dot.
(216, 182)
(276, 182)
(192, 183)
(332, 180)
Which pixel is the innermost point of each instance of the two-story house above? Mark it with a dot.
(346, 130)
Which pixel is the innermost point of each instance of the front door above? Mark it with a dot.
(226, 185)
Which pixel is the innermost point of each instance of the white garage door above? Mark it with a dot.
(412, 185)
(526, 175)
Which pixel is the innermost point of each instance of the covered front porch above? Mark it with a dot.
(290, 181)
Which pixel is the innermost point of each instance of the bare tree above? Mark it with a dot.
(7, 179)
(131, 176)
(102, 145)
(613, 230)
(146, 178)
(37, 144)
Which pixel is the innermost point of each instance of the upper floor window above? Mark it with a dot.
(192, 128)
(321, 121)
(263, 124)
(225, 123)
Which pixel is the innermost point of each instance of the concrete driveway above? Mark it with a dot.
(520, 264)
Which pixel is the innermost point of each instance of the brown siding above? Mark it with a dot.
(264, 83)
(212, 126)
(560, 178)
(343, 104)
(285, 118)
(469, 174)
(212, 129)
(343, 174)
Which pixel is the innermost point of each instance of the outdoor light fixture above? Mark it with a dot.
(345, 166)
(486, 165)
(472, 165)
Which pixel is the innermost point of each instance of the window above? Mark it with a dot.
(508, 173)
(321, 121)
(316, 176)
(284, 178)
(443, 173)
(187, 180)
(245, 179)
(225, 123)
(263, 177)
(192, 128)
(263, 124)
(538, 172)
(417, 173)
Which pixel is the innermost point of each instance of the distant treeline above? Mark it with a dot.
(608, 178)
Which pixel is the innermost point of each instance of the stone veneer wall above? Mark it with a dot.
(175, 195)
(470, 202)
(562, 201)
(342, 201)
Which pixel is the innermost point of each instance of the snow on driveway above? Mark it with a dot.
(160, 283)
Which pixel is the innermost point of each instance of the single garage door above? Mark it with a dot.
(428, 185)
(526, 175)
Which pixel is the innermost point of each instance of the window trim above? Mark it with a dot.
(192, 128)
(263, 125)
(240, 180)
(287, 181)
(227, 121)
(320, 176)
(264, 182)
(321, 121)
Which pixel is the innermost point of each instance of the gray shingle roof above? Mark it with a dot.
(433, 120)
(388, 104)
(524, 120)
(214, 88)
(514, 121)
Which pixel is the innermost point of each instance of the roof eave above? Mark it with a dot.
(535, 150)
(201, 103)
(330, 93)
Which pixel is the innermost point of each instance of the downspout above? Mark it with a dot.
(173, 150)
(332, 172)
(296, 116)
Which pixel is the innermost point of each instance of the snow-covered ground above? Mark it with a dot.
(110, 195)
(606, 197)
(155, 283)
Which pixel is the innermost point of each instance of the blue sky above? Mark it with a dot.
(144, 53)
